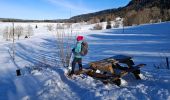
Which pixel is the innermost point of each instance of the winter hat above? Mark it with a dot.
(79, 38)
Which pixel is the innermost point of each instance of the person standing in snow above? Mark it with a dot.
(77, 55)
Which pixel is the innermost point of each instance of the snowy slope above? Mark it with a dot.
(146, 43)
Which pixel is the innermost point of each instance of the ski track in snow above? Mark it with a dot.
(50, 83)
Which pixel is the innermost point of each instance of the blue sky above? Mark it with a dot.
(54, 9)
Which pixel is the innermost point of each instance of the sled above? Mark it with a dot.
(111, 69)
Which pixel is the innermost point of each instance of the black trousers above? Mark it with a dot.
(76, 60)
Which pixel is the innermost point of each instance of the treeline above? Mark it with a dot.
(136, 12)
(147, 11)
(22, 20)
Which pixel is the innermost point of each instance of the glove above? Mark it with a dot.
(73, 50)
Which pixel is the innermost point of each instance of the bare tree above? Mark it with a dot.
(117, 23)
(11, 31)
(67, 25)
(94, 20)
(13, 44)
(64, 44)
(29, 31)
(49, 27)
(155, 14)
(130, 18)
(6, 33)
(59, 26)
(19, 31)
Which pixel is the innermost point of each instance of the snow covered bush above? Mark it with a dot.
(98, 27)
(50, 27)
(29, 31)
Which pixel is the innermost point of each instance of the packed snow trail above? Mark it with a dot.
(48, 84)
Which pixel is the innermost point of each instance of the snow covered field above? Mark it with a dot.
(148, 44)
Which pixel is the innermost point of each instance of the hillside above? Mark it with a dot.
(136, 12)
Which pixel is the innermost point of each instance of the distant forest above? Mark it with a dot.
(136, 12)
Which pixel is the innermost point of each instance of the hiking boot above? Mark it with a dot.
(80, 68)
(71, 74)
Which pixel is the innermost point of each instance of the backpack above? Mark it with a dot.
(84, 48)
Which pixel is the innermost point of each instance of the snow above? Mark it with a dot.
(43, 78)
